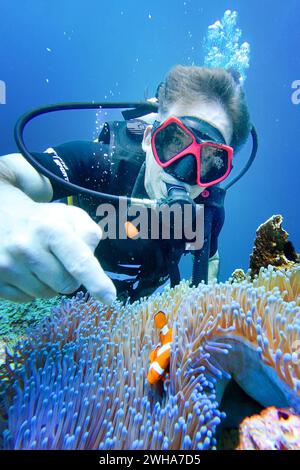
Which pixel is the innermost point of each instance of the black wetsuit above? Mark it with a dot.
(137, 267)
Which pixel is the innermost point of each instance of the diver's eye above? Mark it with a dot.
(170, 141)
(214, 163)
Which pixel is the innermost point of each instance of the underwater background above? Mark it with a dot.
(120, 50)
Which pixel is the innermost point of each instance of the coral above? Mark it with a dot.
(80, 380)
(238, 275)
(274, 262)
(272, 429)
(222, 46)
(272, 247)
(16, 318)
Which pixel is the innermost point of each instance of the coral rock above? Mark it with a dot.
(238, 275)
(272, 429)
(272, 247)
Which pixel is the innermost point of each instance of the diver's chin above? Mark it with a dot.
(157, 191)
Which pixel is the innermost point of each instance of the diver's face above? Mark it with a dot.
(155, 176)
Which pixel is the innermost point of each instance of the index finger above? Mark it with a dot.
(80, 262)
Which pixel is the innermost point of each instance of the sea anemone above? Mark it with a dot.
(80, 379)
(286, 282)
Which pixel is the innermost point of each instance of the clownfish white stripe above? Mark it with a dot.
(163, 349)
(157, 368)
(164, 330)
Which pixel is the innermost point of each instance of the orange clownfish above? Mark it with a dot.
(160, 356)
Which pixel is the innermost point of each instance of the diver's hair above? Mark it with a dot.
(185, 84)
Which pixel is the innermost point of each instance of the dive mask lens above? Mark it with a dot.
(169, 141)
(215, 163)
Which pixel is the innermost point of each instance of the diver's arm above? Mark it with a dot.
(17, 171)
(213, 267)
(45, 248)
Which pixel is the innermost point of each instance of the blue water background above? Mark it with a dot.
(122, 49)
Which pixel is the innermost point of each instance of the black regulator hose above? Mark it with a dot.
(74, 188)
(250, 160)
(135, 109)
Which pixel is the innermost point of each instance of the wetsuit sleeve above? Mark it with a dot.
(218, 223)
(83, 163)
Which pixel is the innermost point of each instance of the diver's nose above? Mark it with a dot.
(184, 169)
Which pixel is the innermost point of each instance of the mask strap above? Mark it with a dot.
(203, 127)
(250, 160)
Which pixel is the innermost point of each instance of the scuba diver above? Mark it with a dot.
(177, 150)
